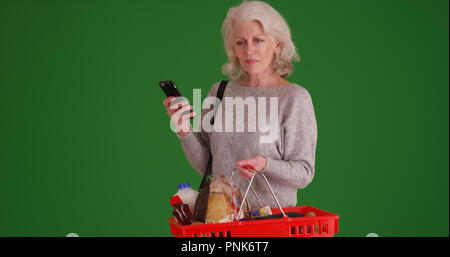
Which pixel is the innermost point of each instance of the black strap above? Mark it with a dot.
(220, 92)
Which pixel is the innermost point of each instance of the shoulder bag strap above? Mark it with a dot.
(220, 92)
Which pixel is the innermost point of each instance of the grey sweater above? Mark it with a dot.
(290, 158)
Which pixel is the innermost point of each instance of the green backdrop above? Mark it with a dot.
(85, 143)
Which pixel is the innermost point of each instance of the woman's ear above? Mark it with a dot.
(278, 48)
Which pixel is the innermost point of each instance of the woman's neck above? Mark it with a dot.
(263, 81)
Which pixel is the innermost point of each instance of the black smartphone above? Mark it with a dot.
(170, 89)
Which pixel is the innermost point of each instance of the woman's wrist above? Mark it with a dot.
(265, 163)
(183, 133)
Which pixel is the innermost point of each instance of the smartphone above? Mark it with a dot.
(170, 89)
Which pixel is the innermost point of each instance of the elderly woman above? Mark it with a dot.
(258, 44)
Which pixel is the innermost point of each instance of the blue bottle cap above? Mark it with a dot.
(184, 185)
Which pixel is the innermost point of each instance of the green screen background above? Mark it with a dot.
(85, 143)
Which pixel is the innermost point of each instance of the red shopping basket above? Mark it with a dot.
(325, 224)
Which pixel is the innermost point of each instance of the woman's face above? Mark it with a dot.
(253, 47)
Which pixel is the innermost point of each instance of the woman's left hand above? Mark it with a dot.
(256, 163)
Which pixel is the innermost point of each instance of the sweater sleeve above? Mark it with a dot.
(299, 131)
(196, 144)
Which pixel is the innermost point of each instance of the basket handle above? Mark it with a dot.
(253, 191)
(248, 188)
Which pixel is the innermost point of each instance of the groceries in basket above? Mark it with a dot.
(220, 201)
(280, 215)
(187, 195)
(224, 201)
(263, 211)
(181, 211)
(312, 214)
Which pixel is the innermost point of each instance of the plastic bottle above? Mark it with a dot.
(181, 211)
(187, 195)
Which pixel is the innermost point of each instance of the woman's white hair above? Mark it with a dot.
(274, 26)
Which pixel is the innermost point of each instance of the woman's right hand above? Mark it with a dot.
(181, 122)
